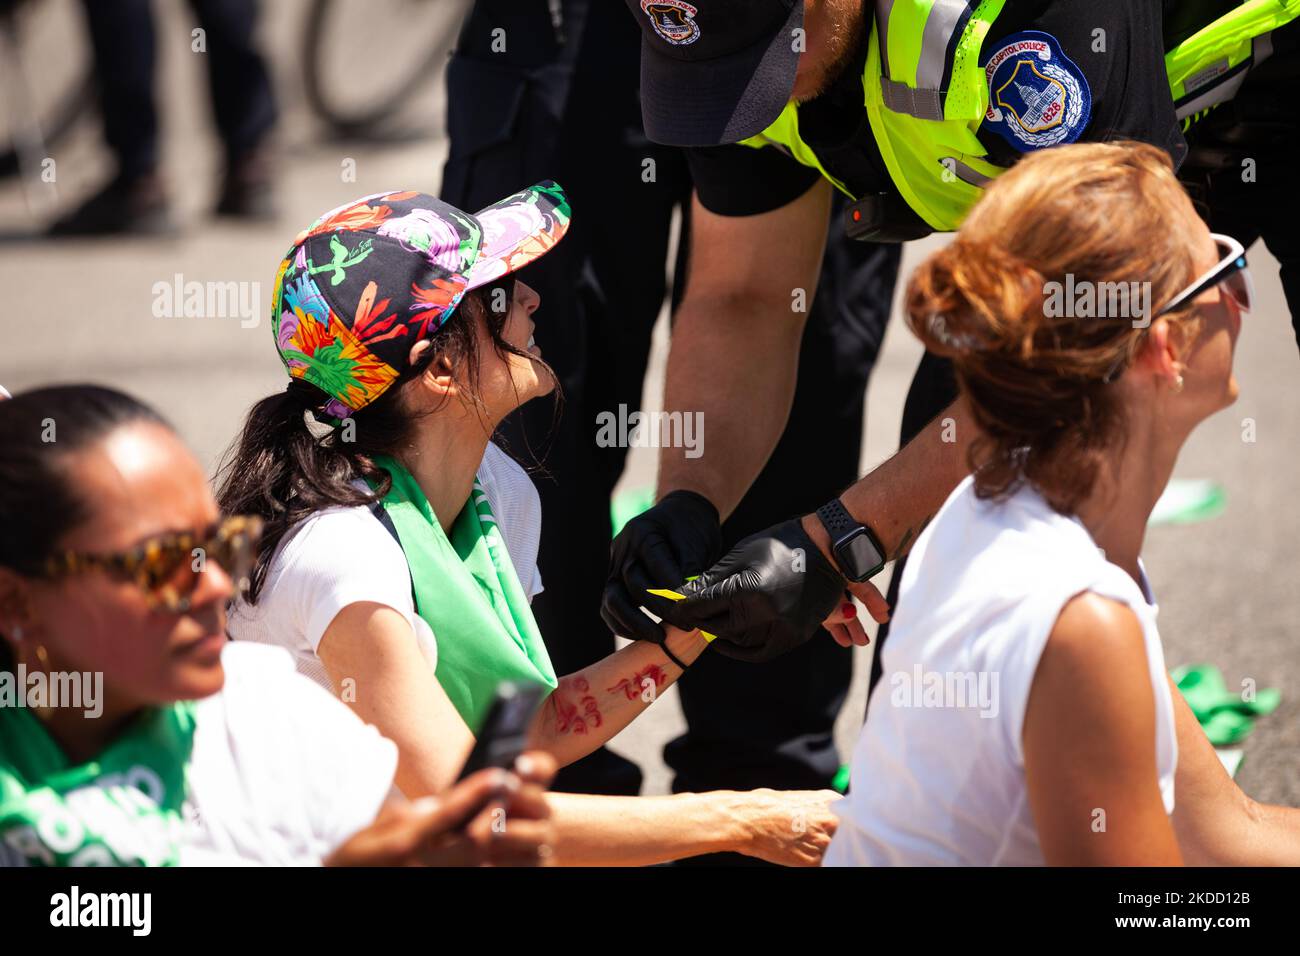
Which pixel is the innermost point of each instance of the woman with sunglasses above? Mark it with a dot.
(1025, 715)
(401, 543)
(115, 566)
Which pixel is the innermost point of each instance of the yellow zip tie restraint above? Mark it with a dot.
(678, 596)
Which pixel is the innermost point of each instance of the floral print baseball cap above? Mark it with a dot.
(375, 276)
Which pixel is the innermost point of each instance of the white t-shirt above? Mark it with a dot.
(343, 556)
(938, 774)
(282, 772)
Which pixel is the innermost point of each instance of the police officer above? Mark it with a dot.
(549, 90)
(909, 107)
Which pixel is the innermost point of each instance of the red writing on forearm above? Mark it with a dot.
(575, 709)
(633, 687)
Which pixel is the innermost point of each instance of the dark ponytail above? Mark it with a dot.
(285, 466)
(278, 469)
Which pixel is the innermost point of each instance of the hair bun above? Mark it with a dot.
(1037, 378)
(974, 297)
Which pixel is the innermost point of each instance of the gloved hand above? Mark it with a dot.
(768, 595)
(659, 548)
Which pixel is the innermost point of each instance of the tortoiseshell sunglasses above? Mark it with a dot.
(167, 568)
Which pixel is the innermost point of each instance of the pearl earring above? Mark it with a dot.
(1178, 384)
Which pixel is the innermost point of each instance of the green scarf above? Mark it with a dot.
(124, 808)
(468, 593)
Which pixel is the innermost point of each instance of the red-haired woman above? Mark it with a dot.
(1026, 716)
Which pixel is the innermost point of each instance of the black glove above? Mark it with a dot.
(659, 548)
(767, 596)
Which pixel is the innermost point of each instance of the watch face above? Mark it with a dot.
(863, 558)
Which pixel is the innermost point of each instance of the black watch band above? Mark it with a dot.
(835, 518)
(857, 551)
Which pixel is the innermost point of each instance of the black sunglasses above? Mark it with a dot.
(1230, 272)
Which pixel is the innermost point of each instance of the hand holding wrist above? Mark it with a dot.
(677, 538)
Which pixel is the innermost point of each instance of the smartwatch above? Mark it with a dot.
(856, 549)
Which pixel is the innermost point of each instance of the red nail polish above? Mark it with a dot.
(849, 610)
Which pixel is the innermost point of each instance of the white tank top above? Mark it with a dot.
(938, 774)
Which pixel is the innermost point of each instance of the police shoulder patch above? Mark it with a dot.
(1038, 97)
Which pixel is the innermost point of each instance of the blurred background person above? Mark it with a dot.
(136, 199)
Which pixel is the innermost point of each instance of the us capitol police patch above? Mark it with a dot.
(1038, 97)
(673, 20)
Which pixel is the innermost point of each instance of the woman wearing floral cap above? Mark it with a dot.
(400, 547)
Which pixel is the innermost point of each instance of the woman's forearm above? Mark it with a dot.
(642, 831)
(592, 705)
(1216, 823)
(1277, 836)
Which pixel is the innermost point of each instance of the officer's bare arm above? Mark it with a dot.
(898, 498)
(736, 337)
(734, 357)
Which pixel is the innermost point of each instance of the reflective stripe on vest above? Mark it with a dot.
(923, 56)
(1210, 66)
(1225, 83)
(965, 173)
(929, 67)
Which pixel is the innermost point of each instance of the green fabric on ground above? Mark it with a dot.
(1186, 501)
(1226, 717)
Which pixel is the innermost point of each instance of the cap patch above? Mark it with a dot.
(673, 20)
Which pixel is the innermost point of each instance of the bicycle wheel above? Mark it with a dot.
(399, 46)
